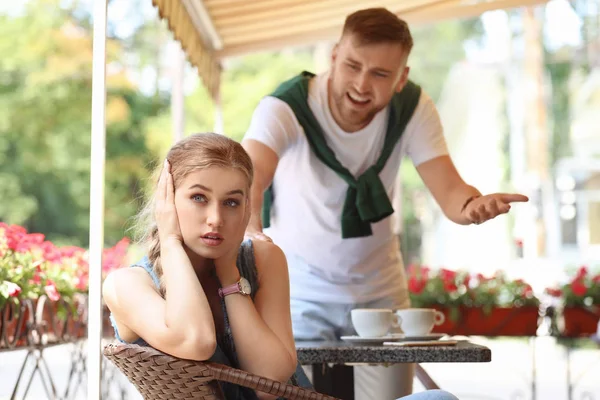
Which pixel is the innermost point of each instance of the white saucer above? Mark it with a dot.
(429, 336)
(371, 340)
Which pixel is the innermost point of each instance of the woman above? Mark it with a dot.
(204, 293)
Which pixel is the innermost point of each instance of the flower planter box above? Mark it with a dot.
(74, 326)
(581, 289)
(107, 328)
(39, 322)
(514, 321)
(60, 321)
(15, 322)
(475, 304)
(580, 321)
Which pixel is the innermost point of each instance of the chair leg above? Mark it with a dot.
(424, 378)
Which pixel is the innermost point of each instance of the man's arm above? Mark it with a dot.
(264, 161)
(447, 187)
(460, 202)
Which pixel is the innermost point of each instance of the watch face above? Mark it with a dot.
(245, 286)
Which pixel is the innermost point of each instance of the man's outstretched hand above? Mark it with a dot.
(254, 232)
(487, 207)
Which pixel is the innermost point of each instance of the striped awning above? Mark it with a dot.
(188, 31)
(210, 30)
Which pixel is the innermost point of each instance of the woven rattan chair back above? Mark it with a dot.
(159, 376)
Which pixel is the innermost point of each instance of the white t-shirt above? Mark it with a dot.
(309, 197)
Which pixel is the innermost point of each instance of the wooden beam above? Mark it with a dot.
(184, 31)
(281, 40)
(277, 43)
(203, 23)
(213, 3)
(308, 16)
(303, 26)
(225, 10)
(446, 11)
(303, 23)
(274, 10)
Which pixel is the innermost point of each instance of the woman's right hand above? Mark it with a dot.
(164, 209)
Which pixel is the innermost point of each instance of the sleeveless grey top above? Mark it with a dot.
(225, 352)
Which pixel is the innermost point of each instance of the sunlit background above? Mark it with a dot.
(518, 92)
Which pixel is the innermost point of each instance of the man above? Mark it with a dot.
(326, 151)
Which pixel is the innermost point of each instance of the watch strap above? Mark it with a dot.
(231, 289)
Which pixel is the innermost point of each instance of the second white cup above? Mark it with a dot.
(370, 322)
(419, 321)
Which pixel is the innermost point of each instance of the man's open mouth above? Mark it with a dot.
(358, 100)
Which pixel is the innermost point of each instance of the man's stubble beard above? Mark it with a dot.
(353, 117)
(338, 100)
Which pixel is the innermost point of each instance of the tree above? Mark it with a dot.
(46, 69)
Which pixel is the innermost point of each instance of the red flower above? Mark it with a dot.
(18, 229)
(13, 289)
(578, 287)
(14, 234)
(37, 238)
(51, 253)
(22, 243)
(583, 270)
(82, 282)
(450, 286)
(466, 280)
(14, 230)
(113, 257)
(51, 291)
(416, 285)
(37, 278)
(447, 275)
(71, 251)
(554, 292)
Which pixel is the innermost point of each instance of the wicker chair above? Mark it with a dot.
(157, 375)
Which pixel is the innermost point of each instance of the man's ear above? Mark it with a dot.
(403, 79)
(334, 52)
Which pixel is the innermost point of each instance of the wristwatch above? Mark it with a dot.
(242, 286)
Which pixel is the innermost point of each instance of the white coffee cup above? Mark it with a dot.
(370, 322)
(419, 321)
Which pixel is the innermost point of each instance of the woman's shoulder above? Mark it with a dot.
(140, 271)
(120, 281)
(266, 254)
(137, 271)
(270, 266)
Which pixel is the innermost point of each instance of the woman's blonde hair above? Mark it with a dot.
(195, 152)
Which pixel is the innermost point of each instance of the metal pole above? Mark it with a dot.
(177, 93)
(219, 125)
(98, 148)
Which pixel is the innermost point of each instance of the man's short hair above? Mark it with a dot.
(378, 25)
